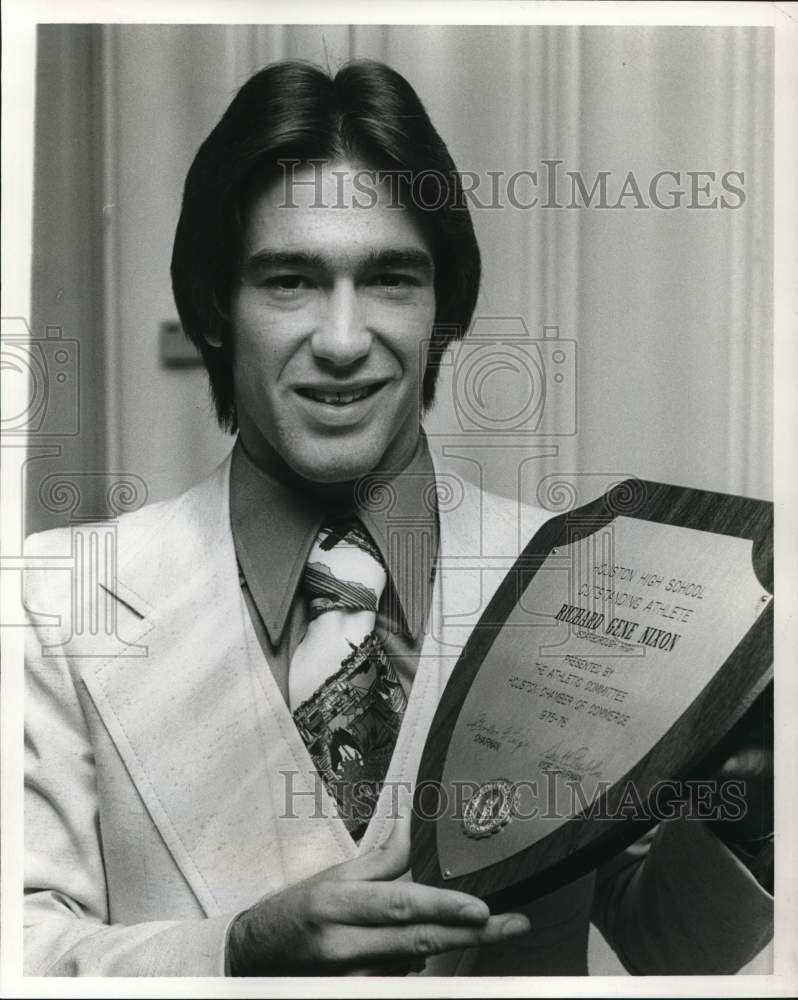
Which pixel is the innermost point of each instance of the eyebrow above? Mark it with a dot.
(409, 257)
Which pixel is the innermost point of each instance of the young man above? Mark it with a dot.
(204, 799)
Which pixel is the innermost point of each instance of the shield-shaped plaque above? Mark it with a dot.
(621, 648)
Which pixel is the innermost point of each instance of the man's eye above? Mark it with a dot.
(286, 284)
(392, 281)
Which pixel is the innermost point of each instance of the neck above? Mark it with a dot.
(333, 496)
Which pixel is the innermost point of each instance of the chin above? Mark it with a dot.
(333, 471)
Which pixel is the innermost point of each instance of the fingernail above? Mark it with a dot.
(474, 913)
(515, 925)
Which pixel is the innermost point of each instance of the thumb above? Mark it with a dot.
(388, 860)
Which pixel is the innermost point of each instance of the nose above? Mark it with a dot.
(342, 336)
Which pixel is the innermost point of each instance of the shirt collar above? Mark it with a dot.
(274, 526)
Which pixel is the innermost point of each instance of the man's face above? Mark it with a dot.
(330, 321)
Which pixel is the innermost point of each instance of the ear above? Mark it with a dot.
(217, 319)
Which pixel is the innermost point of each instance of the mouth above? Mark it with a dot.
(342, 397)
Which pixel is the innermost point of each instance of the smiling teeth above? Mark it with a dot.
(338, 398)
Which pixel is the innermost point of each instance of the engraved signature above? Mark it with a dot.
(514, 735)
(481, 725)
(574, 760)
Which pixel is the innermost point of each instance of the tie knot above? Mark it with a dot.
(344, 570)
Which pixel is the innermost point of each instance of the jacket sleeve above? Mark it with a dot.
(680, 902)
(67, 932)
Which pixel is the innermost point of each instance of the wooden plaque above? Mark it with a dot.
(624, 644)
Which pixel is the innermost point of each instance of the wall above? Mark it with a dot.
(67, 286)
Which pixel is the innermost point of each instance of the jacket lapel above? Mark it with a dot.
(200, 739)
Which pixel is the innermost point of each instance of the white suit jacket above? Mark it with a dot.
(168, 788)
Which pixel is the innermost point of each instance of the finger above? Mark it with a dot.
(748, 763)
(370, 947)
(386, 903)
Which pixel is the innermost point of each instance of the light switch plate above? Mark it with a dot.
(177, 351)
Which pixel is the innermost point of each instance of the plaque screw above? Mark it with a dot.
(447, 872)
(765, 598)
(554, 552)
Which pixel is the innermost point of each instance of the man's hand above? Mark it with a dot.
(354, 918)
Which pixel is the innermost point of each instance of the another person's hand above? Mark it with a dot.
(355, 919)
(750, 764)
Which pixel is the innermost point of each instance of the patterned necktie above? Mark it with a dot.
(346, 699)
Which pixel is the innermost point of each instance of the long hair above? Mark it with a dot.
(294, 112)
